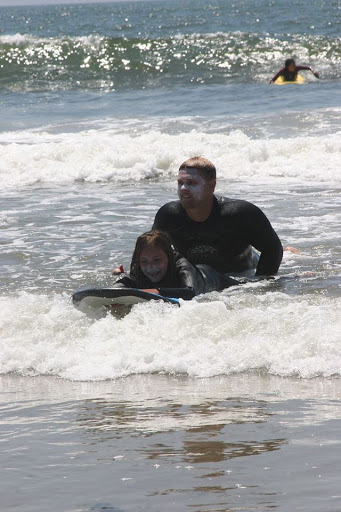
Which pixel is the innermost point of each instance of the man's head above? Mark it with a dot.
(204, 166)
(196, 184)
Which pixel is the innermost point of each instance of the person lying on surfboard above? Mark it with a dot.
(290, 71)
(156, 267)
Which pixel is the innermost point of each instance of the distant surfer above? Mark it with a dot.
(157, 268)
(290, 71)
(217, 231)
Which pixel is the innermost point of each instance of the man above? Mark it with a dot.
(217, 231)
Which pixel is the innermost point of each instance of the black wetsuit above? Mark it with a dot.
(225, 240)
(190, 280)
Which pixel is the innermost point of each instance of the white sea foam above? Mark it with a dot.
(23, 39)
(273, 333)
(106, 155)
(18, 39)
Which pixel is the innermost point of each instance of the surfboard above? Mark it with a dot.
(99, 297)
(299, 80)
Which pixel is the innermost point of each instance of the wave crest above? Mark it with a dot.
(95, 62)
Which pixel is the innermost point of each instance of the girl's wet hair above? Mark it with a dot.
(154, 238)
(205, 167)
(288, 62)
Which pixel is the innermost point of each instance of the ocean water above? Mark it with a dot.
(232, 401)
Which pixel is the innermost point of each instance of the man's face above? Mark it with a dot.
(193, 189)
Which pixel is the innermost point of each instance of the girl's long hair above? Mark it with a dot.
(159, 239)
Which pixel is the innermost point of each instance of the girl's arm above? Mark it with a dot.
(274, 78)
(178, 293)
(308, 68)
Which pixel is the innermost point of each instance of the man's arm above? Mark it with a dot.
(263, 237)
(270, 257)
(159, 221)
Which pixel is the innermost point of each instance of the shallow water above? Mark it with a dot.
(230, 402)
(246, 442)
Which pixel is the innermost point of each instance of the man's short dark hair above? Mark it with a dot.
(204, 166)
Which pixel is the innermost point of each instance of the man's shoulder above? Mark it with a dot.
(171, 207)
(234, 206)
(168, 215)
(170, 210)
(242, 213)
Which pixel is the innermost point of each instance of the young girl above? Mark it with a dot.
(156, 267)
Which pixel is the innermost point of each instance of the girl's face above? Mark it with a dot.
(154, 263)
